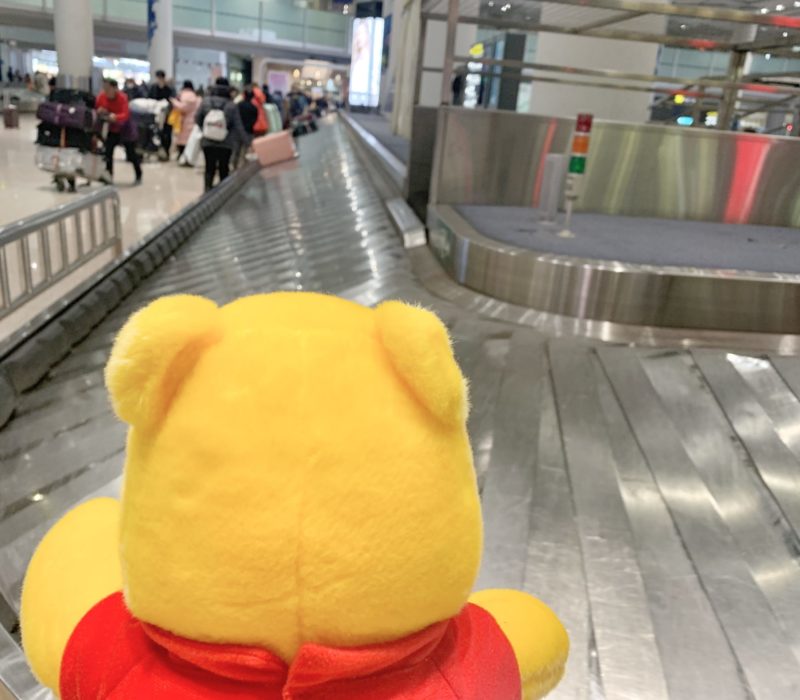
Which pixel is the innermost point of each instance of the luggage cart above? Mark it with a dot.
(68, 164)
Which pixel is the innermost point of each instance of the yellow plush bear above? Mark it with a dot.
(299, 520)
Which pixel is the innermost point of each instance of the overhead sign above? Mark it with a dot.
(365, 64)
(152, 23)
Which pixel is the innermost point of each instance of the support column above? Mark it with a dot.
(449, 50)
(423, 34)
(727, 106)
(74, 30)
(161, 50)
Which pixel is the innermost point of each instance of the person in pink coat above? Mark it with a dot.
(186, 103)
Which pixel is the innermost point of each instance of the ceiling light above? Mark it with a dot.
(785, 34)
(779, 8)
(768, 56)
(797, 3)
(683, 26)
(764, 10)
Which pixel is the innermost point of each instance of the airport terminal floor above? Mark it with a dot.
(650, 495)
(27, 190)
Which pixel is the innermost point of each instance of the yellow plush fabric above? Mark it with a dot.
(536, 634)
(312, 479)
(75, 566)
(419, 347)
(154, 352)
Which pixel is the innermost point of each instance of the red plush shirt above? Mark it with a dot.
(113, 655)
(118, 106)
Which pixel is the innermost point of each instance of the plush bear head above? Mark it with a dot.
(298, 470)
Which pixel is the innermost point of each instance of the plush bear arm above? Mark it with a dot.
(537, 636)
(74, 567)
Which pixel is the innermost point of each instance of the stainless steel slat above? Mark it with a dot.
(628, 656)
(554, 567)
(744, 506)
(695, 652)
(776, 464)
(508, 489)
(757, 638)
(773, 393)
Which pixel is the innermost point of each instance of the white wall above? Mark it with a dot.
(201, 66)
(431, 89)
(551, 99)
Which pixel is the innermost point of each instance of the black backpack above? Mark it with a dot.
(67, 96)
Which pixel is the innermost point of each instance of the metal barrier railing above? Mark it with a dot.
(38, 252)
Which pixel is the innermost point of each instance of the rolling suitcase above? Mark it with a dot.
(192, 149)
(274, 148)
(11, 117)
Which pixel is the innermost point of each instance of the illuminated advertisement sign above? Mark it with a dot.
(365, 65)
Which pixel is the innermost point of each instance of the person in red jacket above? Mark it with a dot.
(259, 99)
(112, 104)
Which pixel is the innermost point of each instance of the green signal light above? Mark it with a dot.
(577, 165)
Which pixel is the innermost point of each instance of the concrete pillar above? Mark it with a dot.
(556, 100)
(74, 31)
(161, 50)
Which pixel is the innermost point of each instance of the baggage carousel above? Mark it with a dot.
(651, 495)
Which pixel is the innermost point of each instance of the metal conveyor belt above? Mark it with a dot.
(651, 496)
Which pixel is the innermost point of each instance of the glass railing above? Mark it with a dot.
(280, 21)
(25, 3)
(326, 28)
(127, 10)
(268, 21)
(192, 14)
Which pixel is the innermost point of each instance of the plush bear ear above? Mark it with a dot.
(155, 351)
(419, 346)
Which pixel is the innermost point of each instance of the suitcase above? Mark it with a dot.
(274, 148)
(192, 150)
(53, 136)
(73, 116)
(11, 117)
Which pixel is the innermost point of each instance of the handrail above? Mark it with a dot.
(39, 251)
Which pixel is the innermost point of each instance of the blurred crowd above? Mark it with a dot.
(218, 121)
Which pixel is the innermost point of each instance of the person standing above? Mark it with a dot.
(218, 118)
(112, 104)
(248, 113)
(259, 101)
(161, 90)
(132, 90)
(186, 103)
